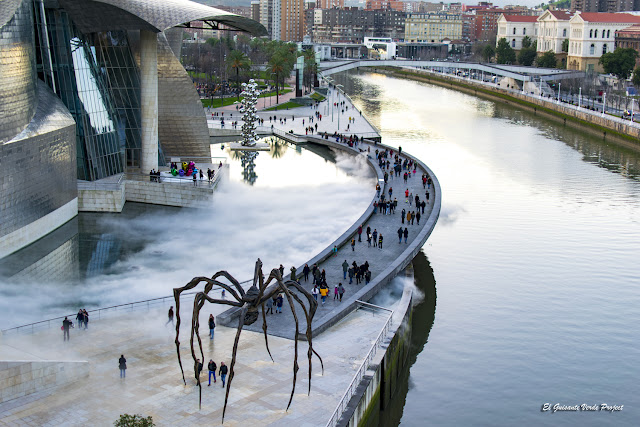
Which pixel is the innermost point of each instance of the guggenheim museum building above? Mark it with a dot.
(89, 88)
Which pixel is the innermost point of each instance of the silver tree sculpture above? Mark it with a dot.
(248, 302)
(248, 110)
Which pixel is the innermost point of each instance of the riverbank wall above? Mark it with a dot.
(567, 114)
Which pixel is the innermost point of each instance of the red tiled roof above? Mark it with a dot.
(520, 18)
(610, 17)
(561, 14)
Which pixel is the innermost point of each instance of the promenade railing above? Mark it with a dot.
(104, 184)
(357, 378)
(102, 312)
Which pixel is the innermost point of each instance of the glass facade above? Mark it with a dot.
(98, 80)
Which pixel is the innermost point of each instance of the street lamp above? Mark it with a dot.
(337, 87)
(579, 96)
(604, 103)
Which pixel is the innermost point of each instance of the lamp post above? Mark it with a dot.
(604, 102)
(559, 87)
(337, 88)
(579, 97)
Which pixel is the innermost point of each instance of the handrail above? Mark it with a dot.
(99, 310)
(134, 176)
(373, 306)
(346, 397)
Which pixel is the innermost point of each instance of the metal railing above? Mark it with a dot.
(110, 184)
(355, 382)
(175, 180)
(100, 312)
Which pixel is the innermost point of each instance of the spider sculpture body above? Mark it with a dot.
(248, 302)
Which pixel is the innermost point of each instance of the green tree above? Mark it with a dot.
(565, 45)
(526, 42)
(127, 420)
(636, 76)
(505, 53)
(487, 53)
(547, 60)
(619, 62)
(237, 60)
(278, 66)
(310, 66)
(527, 55)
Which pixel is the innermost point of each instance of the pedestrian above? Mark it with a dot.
(201, 175)
(418, 216)
(197, 369)
(399, 235)
(351, 273)
(402, 214)
(86, 319)
(335, 251)
(340, 291)
(269, 305)
(305, 271)
(279, 302)
(335, 293)
(293, 273)
(423, 204)
(369, 239)
(345, 268)
(315, 292)
(122, 364)
(413, 217)
(360, 233)
(223, 373)
(323, 276)
(409, 216)
(353, 244)
(324, 290)
(212, 371)
(195, 183)
(375, 238)
(66, 324)
(212, 326)
(170, 314)
(80, 318)
(367, 277)
(406, 234)
(223, 294)
(380, 241)
(313, 273)
(281, 269)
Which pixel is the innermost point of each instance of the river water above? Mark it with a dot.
(534, 261)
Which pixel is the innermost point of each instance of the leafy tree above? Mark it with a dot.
(278, 65)
(237, 60)
(565, 45)
(505, 53)
(636, 76)
(310, 66)
(526, 42)
(547, 60)
(488, 52)
(527, 55)
(127, 420)
(619, 62)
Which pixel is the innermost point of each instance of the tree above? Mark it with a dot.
(238, 60)
(619, 62)
(127, 420)
(636, 76)
(310, 66)
(488, 52)
(526, 42)
(505, 53)
(277, 66)
(565, 45)
(547, 60)
(527, 54)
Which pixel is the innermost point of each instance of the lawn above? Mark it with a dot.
(286, 106)
(206, 102)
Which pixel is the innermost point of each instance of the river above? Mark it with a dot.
(534, 262)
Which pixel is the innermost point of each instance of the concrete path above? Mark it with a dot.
(153, 386)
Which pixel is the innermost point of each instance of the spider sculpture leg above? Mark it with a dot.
(233, 358)
(195, 326)
(264, 329)
(192, 284)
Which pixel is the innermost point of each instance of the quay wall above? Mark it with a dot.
(566, 113)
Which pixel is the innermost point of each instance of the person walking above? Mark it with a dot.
(195, 183)
(314, 270)
(279, 302)
(86, 319)
(212, 326)
(305, 271)
(340, 290)
(368, 239)
(375, 237)
(418, 216)
(413, 217)
(380, 241)
(80, 318)
(423, 205)
(122, 364)
(399, 235)
(409, 218)
(315, 292)
(351, 274)
(402, 215)
(212, 371)
(353, 244)
(170, 315)
(223, 373)
(281, 270)
(293, 273)
(323, 293)
(335, 293)
(345, 268)
(406, 234)
(367, 277)
(360, 233)
(66, 324)
(269, 305)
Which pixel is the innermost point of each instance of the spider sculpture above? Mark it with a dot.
(248, 302)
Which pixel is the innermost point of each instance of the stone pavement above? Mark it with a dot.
(153, 386)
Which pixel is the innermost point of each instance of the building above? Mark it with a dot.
(352, 25)
(88, 89)
(592, 35)
(396, 5)
(255, 10)
(432, 27)
(610, 6)
(329, 4)
(515, 28)
(629, 38)
(553, 30)
(291, 19)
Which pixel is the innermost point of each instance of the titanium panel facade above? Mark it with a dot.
(36, 167)
(17, 69)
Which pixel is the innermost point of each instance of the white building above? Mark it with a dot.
(553, 29)
(514, 28)
(593, 35)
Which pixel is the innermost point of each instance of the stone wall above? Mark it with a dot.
(92, 198)
(185, 195)
(21, 378)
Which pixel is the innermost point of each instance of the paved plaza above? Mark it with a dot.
(153, 386)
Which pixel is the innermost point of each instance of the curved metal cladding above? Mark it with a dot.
(151, 15)
(17, 68)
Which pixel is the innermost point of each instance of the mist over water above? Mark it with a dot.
(534, 257)
(299, 203)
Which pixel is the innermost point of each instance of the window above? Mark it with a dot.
(604, 48)
(564, 33)
(592, 49)
(513, 43)
(514, 30)
(595, 34)
(524, 31)
(608, 34)
(590, 34)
